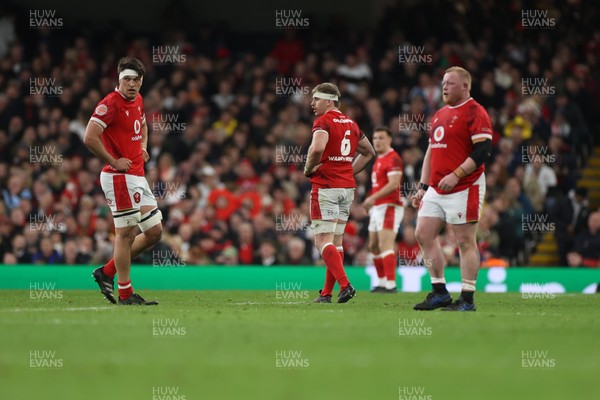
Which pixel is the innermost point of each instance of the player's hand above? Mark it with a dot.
(145, 155)
(314, 169)
(448, 182)
(416, 199)
(122, 165)
(368, 203)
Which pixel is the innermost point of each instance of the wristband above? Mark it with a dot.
(423, 186)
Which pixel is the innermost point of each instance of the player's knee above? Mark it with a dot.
(422, 236)
(125, 236)
(465, 242)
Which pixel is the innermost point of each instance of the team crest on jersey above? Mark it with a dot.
(453, 120)
(136, 197)
(101, 109)
(460, 215)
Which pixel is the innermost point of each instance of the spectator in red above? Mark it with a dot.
(288, 51)
(245, 243)
(224, 202)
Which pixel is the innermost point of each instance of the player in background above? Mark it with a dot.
(385, 209)
(452, 188)
(117, 134)
(331, 166)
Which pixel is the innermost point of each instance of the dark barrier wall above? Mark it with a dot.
(239, 15)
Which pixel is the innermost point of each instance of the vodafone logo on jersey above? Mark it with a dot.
(438, 134)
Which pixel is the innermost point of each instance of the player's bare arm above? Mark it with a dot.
(393, 183)
(424, 182)
(315, 152)
(366, 153)
(145, 153)
(481, 152)
(92, 140)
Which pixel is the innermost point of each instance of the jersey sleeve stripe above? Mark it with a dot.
(481, 136)
(320, 131)
(394, 173)
(99, 122)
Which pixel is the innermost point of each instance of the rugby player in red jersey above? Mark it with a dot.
(452, 188)
(385, 209)
(117, 134)
(331, 165)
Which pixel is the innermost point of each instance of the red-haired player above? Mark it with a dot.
(453, 187)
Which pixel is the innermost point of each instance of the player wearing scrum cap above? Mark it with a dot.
(331, 165)
(117, 134)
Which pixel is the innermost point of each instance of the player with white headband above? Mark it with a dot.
(118, 134)
(331, 166)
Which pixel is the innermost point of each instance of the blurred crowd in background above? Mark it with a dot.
(230, 122)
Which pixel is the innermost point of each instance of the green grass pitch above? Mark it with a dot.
(256, 345)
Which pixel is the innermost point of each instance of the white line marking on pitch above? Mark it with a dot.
(258, 303)
(58, 309)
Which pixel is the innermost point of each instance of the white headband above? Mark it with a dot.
(128, 72)
(325, 96)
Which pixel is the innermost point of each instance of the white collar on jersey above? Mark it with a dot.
(461, 104)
